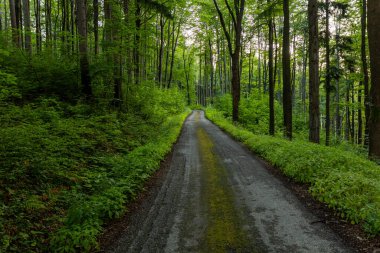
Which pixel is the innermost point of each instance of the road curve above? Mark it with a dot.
(218, 197)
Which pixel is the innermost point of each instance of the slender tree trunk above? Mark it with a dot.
(353, 114)
(250, 69)
(82, 32)
(19, 18)
(37, 17)
(1, 21)
(48, 27)
(96, 26)
(136, 49)
(271, 81)
(294, 71)
(360, 116)
(348, 115)
(72, 24)
(211, 72)
(287, 89)
(15, 33)
(5, 15)
(161, 50)
(167, 54)
(314, 114)
(259, 63)
(303, 79)
(276, 54)
(187, 68)
(365, 70)
(174, 47)
(374, 45)
(328, 79)
(28, 39)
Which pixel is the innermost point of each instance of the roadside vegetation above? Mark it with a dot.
(347, 182)
(65, 170)
(68, 165)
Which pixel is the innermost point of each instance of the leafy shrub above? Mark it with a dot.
(44, 75)
(125, 178)
(65, 169)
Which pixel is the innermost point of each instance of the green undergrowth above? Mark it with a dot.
(347, 182)
(65, 169)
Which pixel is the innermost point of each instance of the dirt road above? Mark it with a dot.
(218, 197)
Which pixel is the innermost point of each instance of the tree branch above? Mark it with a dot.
(231, 13)
(224, 28)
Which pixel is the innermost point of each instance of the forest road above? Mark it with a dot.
(218, 197)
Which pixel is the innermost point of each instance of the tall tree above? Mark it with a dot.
(236, 14)
(28, 38)
(374, 45)
(328, 75)
(82, 32)
(37, 16)
(96, 26)
(15, 34)
(286, 76)
(271, 78)
(365, 69)
(314, 113)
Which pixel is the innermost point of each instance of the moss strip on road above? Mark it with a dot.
(224, 232)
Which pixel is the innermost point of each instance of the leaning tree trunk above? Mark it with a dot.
(287, 89)
(374, 45)
(313, 72)
(82, 32)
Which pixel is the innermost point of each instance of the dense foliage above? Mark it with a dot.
(67, 167)
(348, 183)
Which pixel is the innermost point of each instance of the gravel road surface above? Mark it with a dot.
(218, 197)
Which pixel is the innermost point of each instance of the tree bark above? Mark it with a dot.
(37, 14)
(374, 45)
(287, 89)
(28, 39)
(19, 18)
(174, 47)
(328, 79)
(353, 114)
(96, 26)
(237, 19)
(271, 79)
(161, 50)
(360, 116)
(211, 72)
(12, 12)
(136, 49)
(314, 114)
(82, 32)
(365, 69)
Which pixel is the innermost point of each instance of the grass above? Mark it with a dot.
(347, 182)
